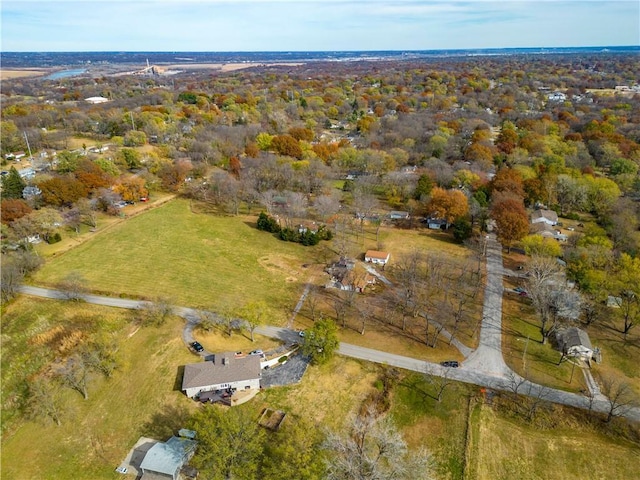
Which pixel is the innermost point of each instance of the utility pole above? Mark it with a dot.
(28, 146)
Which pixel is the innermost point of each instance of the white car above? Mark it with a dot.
(256, 352)
(122, 470)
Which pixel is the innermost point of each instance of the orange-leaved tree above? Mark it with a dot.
(447, 204)
(511, 218)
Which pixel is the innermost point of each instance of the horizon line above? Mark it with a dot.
(402, 50)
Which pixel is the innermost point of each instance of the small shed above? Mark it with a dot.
(574, 342)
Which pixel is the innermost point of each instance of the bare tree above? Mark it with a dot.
(10, 280)
(326, 205)
(75, 374)
(373, 449)
(157, 312)
(342, 243)
(364, 204)
(340, 307)
(100, 356)
(44, 400)
(312, 302)
(439, 383)
(536, 398)
(365, 312)
(620, 398)
(73, 286)
(541, 289)
(514, 383)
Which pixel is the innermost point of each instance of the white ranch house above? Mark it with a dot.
(226, 370)
(376, 257)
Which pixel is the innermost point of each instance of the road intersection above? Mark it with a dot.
(484, 366)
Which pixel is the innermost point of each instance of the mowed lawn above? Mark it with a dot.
(196, 260)
(504, 449)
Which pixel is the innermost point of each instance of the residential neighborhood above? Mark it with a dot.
(235, 270)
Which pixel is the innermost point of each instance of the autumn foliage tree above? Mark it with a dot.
(92, 176)
(286, 145)
(508, 180)
(131, 189)
(511, 219)
(62, 191)
(13, 209)
(447, 204)
(173, 175)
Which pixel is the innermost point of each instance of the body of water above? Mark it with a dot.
(65, 74)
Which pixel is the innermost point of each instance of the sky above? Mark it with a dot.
(311, 25)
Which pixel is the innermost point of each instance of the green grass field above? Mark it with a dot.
(192, 259)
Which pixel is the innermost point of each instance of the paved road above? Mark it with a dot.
(466, 374)
(488, 356)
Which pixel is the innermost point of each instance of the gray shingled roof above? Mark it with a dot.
(574, 337)
(224, 368)
(168, 457)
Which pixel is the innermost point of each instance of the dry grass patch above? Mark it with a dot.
(399, 241)
(526, 355)
(328, 394)
(141, 398)
(6, 74)
(509, 450)
(220, 342)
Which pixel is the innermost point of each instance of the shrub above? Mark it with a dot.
(55, 238)
(267, 223)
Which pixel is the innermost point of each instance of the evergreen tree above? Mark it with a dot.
(12, 184)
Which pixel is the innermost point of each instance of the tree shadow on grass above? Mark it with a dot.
(166, 422)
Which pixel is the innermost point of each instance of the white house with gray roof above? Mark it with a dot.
(226, 370)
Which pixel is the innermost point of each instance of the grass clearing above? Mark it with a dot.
(192, 259)
(141, 398)
(439, 426)
(238, 342)
(526, 355)
(505, 449)
(327, 394)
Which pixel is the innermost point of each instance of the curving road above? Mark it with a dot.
(484, 367)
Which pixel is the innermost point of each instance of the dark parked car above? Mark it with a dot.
(197, 347)
(450, 363)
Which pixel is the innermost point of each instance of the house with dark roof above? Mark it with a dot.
(226, 371)
(546, 216)
(574, 342)
(164, 460)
